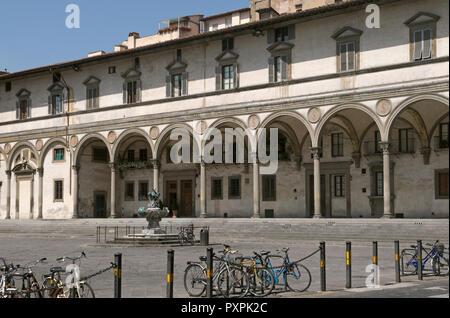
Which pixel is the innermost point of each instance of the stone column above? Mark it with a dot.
(75, 170)
(203, 213)
(17, 215)
(387, 180)
(317, 192)
(40, 194)
(113, 191)
(32, 198)
(156, 167)
(8, 195)
(256, 192)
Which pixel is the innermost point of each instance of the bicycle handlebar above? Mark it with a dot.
(73, 259)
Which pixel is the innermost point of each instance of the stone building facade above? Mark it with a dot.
(362, 115)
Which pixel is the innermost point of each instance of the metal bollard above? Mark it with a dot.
(419, 260)
(209, 272)
(170, 267)
(375, 253)
(349, 265)
(118, 275)
(323, 283)
(397, 261)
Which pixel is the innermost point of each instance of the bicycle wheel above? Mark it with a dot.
(50, 289)
(440, 266)
(261, 282)
(35, 291)
(195, 280)
(232, 282)
(409, 263)
(86, 291)
(297, 277)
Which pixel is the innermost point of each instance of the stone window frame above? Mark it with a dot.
(177, 67)
(235, 197)
(126, 197)
(271, 198)
(54, 155)
(343, 193)
(339, 145)
(290, 36)
(347, 35)
(55, 181)
(92, 83)
(131, 76)
(437, 172)
(422, 21)
(56, 89)
(23, 95)
(145, 197)
(215, 197)
(281, 50)
(227, 58)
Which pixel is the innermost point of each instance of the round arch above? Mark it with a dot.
(405, 104)
(165, 134)
(292, 114)
(332, 112)
(19, 146)
(129, 133)
(48, 145)
(85, 140)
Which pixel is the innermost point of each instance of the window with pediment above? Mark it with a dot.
(23, 104)
(347, 49)
(56, 99)
(92, 92)
(280, 61)
(132, 86)
(227, 70)
(177, 78)
(422, 35)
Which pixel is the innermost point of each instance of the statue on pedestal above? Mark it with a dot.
(153, 213)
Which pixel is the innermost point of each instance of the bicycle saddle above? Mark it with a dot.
(57, 269)
(265, 253)
(413, 246)
(203, 258)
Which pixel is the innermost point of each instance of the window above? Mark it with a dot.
(228, 77)
(129, 191)
(143, 190)
(92, 97)
(278, 69)
(215, 27)
(347, 56)
(234, 188)
(177, 85)
(56, 77)
(282, 34)
(406, 141)
(339, 186)
(58, 154)
(379, 184)
(269, 192)
(442, 184)
(111, 70)
(132, 88)
(443, 135)
(100, 154)
(228, 44)
(377, 141)
(130, 155)
(8, 86)
(58, 191)
(56, 105)
(143, 155)
(422, 44)
(422, 35)
(337, 145)
(228, 22)
(179, 55)
(23, 109)
(216, 189)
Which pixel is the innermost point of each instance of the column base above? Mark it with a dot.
(317, 217)
(387, 216)
(8, 217)
(203, 216)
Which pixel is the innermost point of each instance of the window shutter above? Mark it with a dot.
(63, 98)
(138, 91)
(343, 54)
(218, 78)
(29, 108)
(124, 88)
(270, 36)
(418, 45)
(184, 83)
(236, 75)
(202, 26)
(97, 97)
(427, 44)
(351, 56)
(168, 86)
(50, 105)
(285, 67)
(291, 32)
(271, 69)
(17, 110)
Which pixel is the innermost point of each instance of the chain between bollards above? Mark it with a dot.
(118, 275)
(397, 261)
(323, 283)
(209, 272)
(170, 268)
(419, 260)
(348, 265)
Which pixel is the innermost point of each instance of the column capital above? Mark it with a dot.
(156, 163)
(40, 171)
(254, 157)
(76, 168)
(384, 145)
(112, 165)
(315, 152)
(8, 173)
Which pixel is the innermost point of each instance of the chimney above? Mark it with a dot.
(132, 40)
(96, 53)
(119, 48)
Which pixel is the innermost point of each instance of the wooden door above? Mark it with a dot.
(172, 194)
(186, 208)
(99, 205)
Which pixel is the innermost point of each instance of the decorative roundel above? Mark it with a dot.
(201, 126)
(314, 115)
(39, 145)
(74, 141)
(154, 132)
(384, 107)
(112, 137)
(253, 121)
(7, 148)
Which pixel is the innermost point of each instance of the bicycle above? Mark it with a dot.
(435, 255)
(30, 285)
(186, 235)
(7, 283)
(261, 280)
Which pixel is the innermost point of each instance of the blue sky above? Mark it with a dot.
(33, 33)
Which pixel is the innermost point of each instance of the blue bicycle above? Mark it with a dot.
(437, 256)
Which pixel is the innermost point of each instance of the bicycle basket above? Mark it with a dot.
(440, 249)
